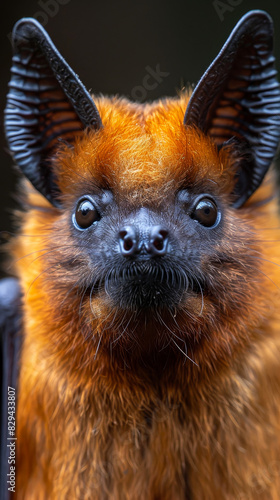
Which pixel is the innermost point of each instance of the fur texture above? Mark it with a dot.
(109, 405)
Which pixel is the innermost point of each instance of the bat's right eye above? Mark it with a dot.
(86, 214)
(206, 212)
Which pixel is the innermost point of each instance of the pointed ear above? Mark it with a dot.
(239, 97)
(46, 102)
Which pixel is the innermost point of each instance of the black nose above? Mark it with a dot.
(154, 241)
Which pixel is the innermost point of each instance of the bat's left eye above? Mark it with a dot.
(86, 214)
(206, 213)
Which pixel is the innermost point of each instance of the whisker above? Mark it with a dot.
(167, 327)
(257, 257)
(202, 296)
(112, 321)
(185, 354)
(90, 301)
(98, 345)
(10, 233)
(261, 272)
(75, 285)
(46, 252)
(40, 274)
(81, 300)
(123, 331)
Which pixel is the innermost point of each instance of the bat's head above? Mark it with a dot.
(147, 235)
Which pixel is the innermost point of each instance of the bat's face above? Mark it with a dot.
(147, 234)
(145, 211)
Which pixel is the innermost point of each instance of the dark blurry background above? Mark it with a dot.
(113, 45)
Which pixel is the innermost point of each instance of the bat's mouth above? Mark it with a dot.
(147, 285)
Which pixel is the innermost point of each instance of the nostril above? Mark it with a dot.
(158, 243)
(128, 241)
(158, 240)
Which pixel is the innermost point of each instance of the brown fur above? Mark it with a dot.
(109, 415)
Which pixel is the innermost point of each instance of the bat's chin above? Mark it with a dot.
(146, 286)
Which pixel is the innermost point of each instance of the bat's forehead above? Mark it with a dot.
(144, 149)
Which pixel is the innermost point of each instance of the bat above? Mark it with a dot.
(140, 332)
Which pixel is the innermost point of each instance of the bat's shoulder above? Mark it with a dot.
(10, 329)
(10, 347)
(10, 300)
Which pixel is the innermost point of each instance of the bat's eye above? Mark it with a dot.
(86, 214)
(206, 213)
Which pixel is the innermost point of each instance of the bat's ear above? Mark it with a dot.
(238, 97)
(46, 102)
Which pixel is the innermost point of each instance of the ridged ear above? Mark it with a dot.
(239, 97)
(46, 102)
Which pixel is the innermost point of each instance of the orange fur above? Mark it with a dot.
(99, 419)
